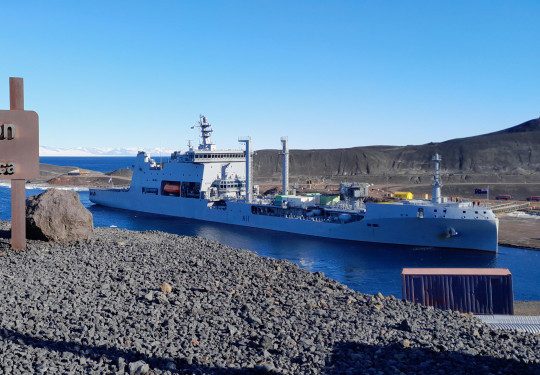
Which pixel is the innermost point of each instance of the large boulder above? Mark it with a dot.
(58, 216)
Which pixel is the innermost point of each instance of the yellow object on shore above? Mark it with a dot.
(403, 195)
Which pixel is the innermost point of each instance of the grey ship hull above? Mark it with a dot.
(381, 223)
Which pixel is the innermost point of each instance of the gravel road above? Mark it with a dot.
(102, 307)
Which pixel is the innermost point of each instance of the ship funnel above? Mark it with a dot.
(436, 180)
(249, 168)
(285, 168)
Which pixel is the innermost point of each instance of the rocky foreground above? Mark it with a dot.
(103, 306)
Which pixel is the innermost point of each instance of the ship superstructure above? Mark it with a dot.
(217, 185)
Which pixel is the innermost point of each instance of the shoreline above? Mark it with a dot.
(513, 232)
(97, 306)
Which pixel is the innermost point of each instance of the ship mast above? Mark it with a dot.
(285, 169)
(436, 180)
(206, 132)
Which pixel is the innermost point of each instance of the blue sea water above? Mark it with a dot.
(368, 268)
(100, 164)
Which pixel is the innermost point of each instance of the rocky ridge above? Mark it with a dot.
(496, 157)
(101, 306)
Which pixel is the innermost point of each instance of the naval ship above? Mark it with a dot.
(205, 183)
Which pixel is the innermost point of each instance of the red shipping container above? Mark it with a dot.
(468, 290)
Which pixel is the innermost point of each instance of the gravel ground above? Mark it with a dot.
(519, 229)
(98, 307)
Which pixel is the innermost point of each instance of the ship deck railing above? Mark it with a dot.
(115, 190)
(509, 207)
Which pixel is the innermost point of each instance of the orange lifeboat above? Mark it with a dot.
(172, 188)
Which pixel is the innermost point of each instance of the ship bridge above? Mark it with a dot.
(221, 156)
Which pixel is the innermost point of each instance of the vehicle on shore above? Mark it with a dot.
(503, 197)
(534, 198)
(217, 185)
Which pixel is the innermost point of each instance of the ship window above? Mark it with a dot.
(435, 210)
(475, 212)
(464, 211)
(443, 210)
(375, 225)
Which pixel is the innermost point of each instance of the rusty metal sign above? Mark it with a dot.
(19, 145)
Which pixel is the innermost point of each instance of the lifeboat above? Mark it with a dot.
(172, 189)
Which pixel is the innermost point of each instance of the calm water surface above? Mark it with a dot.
(368, 268)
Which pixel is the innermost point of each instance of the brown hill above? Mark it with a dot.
(507, 155)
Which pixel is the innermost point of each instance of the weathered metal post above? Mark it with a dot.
(18, 186)
(19, 156)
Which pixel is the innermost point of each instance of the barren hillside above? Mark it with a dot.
(509, 155)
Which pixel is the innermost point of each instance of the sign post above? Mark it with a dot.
(19, 156)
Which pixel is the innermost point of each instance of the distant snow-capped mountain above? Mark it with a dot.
(99, 151)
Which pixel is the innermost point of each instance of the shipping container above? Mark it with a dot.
(468, 290)
(403, 195)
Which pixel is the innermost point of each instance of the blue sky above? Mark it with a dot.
(327, 74)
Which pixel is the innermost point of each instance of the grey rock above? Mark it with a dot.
(58, 216)
(66, 298)
(138, 368)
